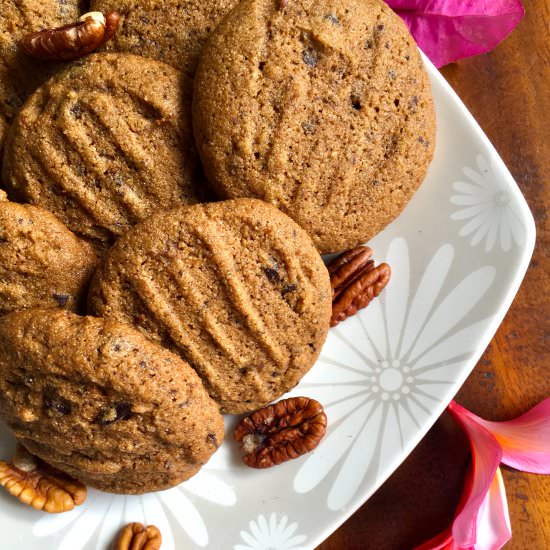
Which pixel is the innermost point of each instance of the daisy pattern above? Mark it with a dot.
(381, 374)
(103, 514)
(271, 535)
(488, 208)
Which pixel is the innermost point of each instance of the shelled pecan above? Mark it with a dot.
(74, 40)
(135, 536)
(281, 432)
(355, 281)
(39, 485)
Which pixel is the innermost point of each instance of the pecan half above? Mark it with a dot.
(71, 41)
(281, 432)
(38, 485)
(355, 281)
(135, 536)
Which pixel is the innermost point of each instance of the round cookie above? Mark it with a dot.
(104, 144)
(20, 75)
(322, 108)
(42, 264)
(97, 400)
(168, 30)
(236, 288)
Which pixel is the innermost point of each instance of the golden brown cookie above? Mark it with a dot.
(168, 30)
(104, 144)
(42, 264)
(97, 400)
(322, 108)
(236, 288)
(19, 74)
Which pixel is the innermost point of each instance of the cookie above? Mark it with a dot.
(168, 30)
(104, 144)
(236, 288)
(322, 108)
(42, 264)
(97, 400)
(20, 75)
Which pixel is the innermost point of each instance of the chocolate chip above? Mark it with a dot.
(272, 273)
(289, 288)
(369, 44)
(356, 102)
(76, 111)
(117, 347)
(61, 298)
(310, 57)
(380, 28)
(333, 19)
(53, 402)
(211, 438)
(123, 410)
(114, 413)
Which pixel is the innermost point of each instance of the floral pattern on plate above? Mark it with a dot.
(103, 514)
(395, 356)
(489, 210)
(272, 534)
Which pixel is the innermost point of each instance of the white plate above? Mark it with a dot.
(458, 254)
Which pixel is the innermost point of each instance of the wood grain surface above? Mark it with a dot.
(508, 92)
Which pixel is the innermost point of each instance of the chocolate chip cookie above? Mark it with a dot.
(104, 144)
(19, 74)
(322, 108)
(236, 288)
(42, 264)
(168, 30)
(97, 400)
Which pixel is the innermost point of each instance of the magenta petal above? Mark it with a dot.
(486, 456)
(449, 30)
(493, 522)
(525, 441)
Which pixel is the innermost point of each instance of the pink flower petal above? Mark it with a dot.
(493, 528)
(493, 521)
(449, 30)
(525, 441)
(486, 456)
(443, 541)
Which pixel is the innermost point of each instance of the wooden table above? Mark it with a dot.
(508, 92)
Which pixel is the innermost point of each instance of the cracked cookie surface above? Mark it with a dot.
(97, 400)
(42, 264)
(236, 288)
(168, 30)
(322, 108)
(104, 144)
